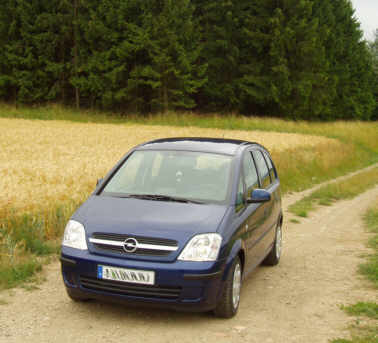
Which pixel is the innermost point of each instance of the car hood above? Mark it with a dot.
(149, 218)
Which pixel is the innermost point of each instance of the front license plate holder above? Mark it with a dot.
(137, 276)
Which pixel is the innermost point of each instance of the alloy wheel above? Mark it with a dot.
(236, 286)
(278, 242)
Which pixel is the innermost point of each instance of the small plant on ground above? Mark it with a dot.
(368, 309)
(367, 333)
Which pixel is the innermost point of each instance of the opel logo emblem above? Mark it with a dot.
(130, 245)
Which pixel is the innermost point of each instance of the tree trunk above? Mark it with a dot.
(165, 95)
(77, 94)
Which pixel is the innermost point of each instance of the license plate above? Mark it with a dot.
(144, 277)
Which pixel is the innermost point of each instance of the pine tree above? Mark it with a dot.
(350, 67)
(373, 46)
(105, 51)
(374, 50)
(219, 21)
(293, 58)
(5, 73)
(252, 83)
(30, 56)
(174, 71)
(299, 68)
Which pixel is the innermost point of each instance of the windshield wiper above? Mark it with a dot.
(159, 197)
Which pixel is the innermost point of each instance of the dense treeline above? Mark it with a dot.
(374, 52)
(302, 59)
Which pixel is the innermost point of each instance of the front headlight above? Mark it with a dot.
(202, 248)
(74, 236)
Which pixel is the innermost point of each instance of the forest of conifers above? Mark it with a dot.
(300, 59)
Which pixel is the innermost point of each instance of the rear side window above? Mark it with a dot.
(250, 174)
(272, 172)
(262, 169)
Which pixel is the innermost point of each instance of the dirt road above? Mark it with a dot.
(297, 301)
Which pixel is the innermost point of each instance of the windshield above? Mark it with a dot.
(182, 174)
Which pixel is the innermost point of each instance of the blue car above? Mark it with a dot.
(177, 223)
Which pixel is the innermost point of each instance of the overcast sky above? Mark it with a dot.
(367, 13)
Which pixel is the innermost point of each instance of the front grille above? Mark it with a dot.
(142, 240)
(120, 251)
(122, 288)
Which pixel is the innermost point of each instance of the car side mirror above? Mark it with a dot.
(99, 181)
(259, 196)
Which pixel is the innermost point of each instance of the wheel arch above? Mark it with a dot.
(237, 250)
(241, 254)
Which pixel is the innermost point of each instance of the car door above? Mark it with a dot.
(254, 213)
(274, 189)
(267, 230)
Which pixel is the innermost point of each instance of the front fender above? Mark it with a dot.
(236, 248)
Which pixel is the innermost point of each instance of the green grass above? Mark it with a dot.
(28, 229)
(23, 237)
(370, 267)
(367, 309)
(369, 332)
(371, 337)
(330, 193)
(11, 276)
(366, 333)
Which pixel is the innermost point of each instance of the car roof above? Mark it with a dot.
(213, 145)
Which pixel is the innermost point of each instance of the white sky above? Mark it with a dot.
(367, 13)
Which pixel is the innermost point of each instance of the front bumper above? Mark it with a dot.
(193, 286)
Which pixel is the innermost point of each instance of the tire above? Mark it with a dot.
(274, 256)
(74, 296)
(228, 304)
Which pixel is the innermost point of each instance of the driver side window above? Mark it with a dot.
(240, 195)
(250, 174)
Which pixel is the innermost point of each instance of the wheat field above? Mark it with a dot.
(48, 162)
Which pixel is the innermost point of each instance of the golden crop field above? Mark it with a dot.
(47, 162)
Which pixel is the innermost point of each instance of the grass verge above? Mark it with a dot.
(370, 267)
(367, 309)
(330, 193)
(368, 331)
(26, 241)
(11, 276)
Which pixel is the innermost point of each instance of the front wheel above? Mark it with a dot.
(275, 254)
(228, 304)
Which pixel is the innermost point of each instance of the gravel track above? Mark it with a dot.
(297, 301)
